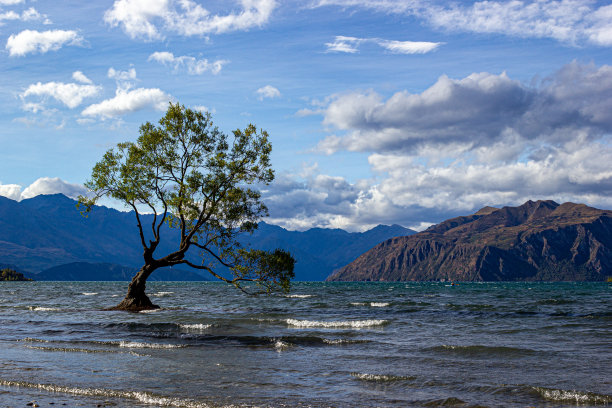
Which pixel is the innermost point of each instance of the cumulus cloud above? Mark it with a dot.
(129, 101)
(351, 45)
(193, 66)
(70, 94)
(27, 15)
(128, 75)
(10, 2)
(44, 185)
(31, 41)
(268, 91)
(80, 77)
(147, 18)
(568, 21)
(478, 110)
(12, 191)
(459, 146)
(430, 186)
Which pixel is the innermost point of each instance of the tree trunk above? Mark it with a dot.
(136, 300)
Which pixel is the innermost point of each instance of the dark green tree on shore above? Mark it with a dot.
(193, 178)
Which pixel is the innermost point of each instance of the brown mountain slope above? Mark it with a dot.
(539, 240)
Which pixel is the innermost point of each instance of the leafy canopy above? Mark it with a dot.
(191, 177)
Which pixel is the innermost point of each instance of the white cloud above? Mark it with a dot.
(10, 2)
(70, 94)
(568, 21)
(12, 191)
(408, 47)
(344, 44)
(29, 14)
(80, 77)
(194, 66)
(351, 45)
(129, 101)
(125, 79)
(475, 111)
(203, 109)
(49, 185)
(122, 75)
(268, 91)
(459, 146)
(147, 18)
(430, 186)
(31, 41)
(44, 185)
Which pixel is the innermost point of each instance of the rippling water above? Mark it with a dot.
(324, 345)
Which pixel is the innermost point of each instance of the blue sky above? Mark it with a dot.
(379, 111)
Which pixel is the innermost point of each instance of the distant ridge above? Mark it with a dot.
(48, 231)
(539, 240)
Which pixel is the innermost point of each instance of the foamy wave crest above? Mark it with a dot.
(142, 397)
(43, 309)
(299, 296)
(133, 344)
(161, 294)
(89, 293)
(354, 324)
(358, 303)
(381, 377)
(280, 345)
(343, 341)
(577, 397)
(198, 326)
(379, 304)
(33, 340)
(80, 350)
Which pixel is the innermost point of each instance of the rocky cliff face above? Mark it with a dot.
(536, 241)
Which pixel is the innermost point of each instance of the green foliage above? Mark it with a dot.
(11, 275)
(193, 178)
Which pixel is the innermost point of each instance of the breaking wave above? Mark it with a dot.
(142, 396)
(353, 324)
(134, 344)
(43, 309)
(572, 396)
(198, 326)
(381, 377)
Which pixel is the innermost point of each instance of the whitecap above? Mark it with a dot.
(358, 303)
(354, 324)
(89, 293)
(379, 304)
(299, 296)
(280, 345)
(142, 397)
(161, 294)
(43, 309)
(573, 396)
(150, 310)
(197, 326)
(343, 341)
(380, 377)
(133, 344)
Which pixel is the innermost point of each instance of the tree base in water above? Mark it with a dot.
(132, 304)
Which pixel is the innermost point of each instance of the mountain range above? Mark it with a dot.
(537, 241)
(47, 238)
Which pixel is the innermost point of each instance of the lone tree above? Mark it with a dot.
(192, 178)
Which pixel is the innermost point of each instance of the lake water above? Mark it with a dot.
(324, 345)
